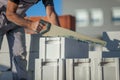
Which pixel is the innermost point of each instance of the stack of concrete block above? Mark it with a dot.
(77, 69)
(54, 51)
(60, 58)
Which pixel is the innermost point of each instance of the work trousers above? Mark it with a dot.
(16, 41)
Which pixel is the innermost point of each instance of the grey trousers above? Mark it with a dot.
(16, 41)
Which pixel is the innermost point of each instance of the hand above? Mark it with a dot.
(36, 27)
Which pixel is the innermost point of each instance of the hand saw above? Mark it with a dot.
(56, 31)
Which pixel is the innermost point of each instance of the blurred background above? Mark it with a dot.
(92, 16)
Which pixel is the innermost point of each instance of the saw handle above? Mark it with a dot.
(47, 24)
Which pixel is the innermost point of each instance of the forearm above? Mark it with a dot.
(52, 16)
(13, 17)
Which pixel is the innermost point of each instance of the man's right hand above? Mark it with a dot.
(36, 26)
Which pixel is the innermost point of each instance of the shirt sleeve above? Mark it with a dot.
(15, 1)
(48, 2)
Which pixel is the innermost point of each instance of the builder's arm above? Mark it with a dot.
(50, 11)
(17, 19)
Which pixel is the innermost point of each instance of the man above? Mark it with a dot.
(13, 25)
